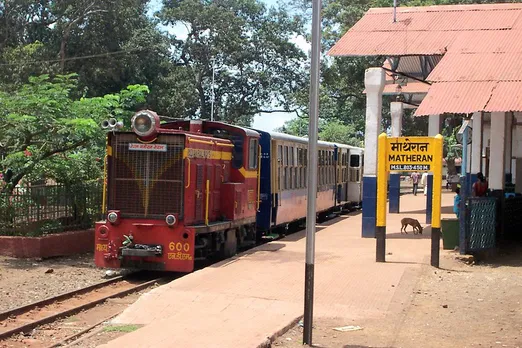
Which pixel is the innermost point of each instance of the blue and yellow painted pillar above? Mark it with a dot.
(434, 128)
(437, 200)
(382, 188)
(374, 80)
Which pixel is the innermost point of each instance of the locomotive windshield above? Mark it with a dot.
(146, 180)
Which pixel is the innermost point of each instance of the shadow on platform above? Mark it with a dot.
(426, 234)
(505, 256)
(443, 210)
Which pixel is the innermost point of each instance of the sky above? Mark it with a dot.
(264, 121)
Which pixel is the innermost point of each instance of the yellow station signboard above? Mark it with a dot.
(410, 153)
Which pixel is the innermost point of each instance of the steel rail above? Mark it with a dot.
(53, 317)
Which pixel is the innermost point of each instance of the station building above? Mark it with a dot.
(441, 61)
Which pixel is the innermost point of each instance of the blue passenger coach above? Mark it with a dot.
(283, 183)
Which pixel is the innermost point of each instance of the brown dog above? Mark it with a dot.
(417, 228)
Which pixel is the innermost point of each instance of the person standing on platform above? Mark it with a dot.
(415, 179)
(480, 187)
(456, 202)
(424, 182)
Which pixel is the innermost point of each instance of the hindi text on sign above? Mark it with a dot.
(148, 147)
(410, 154)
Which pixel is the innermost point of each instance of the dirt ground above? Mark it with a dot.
(23, 281)
(459, 305)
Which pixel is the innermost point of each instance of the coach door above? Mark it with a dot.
(355, 177)
(278, 176)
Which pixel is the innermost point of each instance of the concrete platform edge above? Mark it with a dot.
(269, 340)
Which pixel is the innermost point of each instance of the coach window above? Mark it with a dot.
(346, 167)
(354, 167)
(253, 153)
(291, 167)
(285, 168)
(343, 164)
(320, 169)
(279, 166)
(298, 170)
(330, 167)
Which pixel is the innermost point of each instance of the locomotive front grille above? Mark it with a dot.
(146, 180)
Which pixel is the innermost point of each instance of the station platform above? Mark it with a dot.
(244, 301)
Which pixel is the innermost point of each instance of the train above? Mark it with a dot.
(180, 191)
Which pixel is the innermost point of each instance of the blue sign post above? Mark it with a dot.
(464, 187)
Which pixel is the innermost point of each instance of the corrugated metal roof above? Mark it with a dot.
(455, 97)
(507, 96)
(439, 20)
(494, 41)
(425, 30)
(440, 8)
(479, 67)
(469, 97)
(392, 43)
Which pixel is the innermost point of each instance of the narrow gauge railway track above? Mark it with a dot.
(23, 320)
(26, 318)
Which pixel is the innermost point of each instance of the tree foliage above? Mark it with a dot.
(329, 130)
(256, 66)
(109, 44)
(43, 127)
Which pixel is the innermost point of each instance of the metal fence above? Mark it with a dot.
(481, 224)
(39, 210)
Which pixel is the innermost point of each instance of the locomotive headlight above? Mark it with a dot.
(112, 217)
(144, 123)
(170, 220)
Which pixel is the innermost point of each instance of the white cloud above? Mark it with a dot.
(180, 30)
(300, 41)
(269, 122)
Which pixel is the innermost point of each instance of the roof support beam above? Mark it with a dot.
(394, 62)
(408, 76)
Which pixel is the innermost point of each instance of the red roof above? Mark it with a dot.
(424, 30)
(478, 67)
(481, 69)
(506, 96)
(470, 97)
(461, 97)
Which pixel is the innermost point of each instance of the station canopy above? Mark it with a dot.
(455, 58)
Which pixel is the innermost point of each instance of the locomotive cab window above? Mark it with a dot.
(237, 152)
(253, 153)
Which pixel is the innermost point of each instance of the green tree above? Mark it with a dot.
(297, 126)
(452, 149)
(257, 68)
(329, 130)
(42, 124)
(110, 44)
(335, 131)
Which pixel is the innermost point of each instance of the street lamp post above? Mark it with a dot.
(312, 172)
(213, 95)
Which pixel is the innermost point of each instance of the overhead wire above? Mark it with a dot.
(74, 58)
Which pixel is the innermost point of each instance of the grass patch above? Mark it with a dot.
(121, 328)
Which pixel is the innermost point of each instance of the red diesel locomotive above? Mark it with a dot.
(177, 192)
